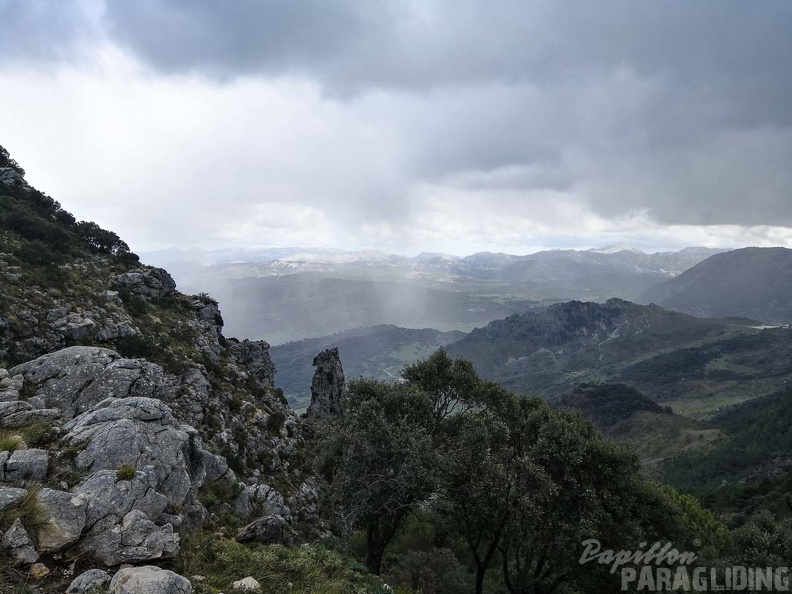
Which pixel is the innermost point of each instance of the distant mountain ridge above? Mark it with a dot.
(696, 365)
(751, 282)
(287, 294)
(548, 265)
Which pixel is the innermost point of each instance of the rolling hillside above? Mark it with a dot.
(696, 365)
(751, 282)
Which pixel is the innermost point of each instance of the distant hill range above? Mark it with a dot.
(751, 282)
(695, 365)
(288, 294)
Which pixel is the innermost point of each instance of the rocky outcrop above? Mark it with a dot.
(149, 580)
(40, 325)
(262, 500)
(13, 176)
(141, 433)
(254, 356)
(328, 385)
(117, 517)
(75, 379)
(208, 326)
(146, 283)
(116, 442)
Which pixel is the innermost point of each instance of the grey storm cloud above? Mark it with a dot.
(42, 30)
(681, 110)
(697, 132)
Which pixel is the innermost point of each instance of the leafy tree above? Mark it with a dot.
(101, 240)
(379, 461)
(762, 542)
(453, 385)
(574, 485)
(518, 482)
(34, 227)
(7, 161)
(485, 474)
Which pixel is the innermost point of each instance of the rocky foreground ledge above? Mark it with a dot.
(95, 464)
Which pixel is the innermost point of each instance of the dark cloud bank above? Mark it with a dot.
(681, 110)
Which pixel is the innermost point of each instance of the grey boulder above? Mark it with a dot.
(67, 515)
(140, 432)
(18, 541)
(92, 579)
(10, 496)
(26, 465)
(268, 530)
(149, 580)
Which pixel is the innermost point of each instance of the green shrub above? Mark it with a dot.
(33, 516)
(276, 420)
(39, 435)
(125, 473)
(300, 570)
(11, 441)
(134, 347)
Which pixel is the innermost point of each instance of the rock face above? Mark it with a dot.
(75, 379)
(328, 385)
(149, 580)
(117, 421)
(254, 356)
(151, 283)
(140, 432)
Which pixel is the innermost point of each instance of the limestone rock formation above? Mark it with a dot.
(137, 432)
(93, 579)
(254, 356)
(149, 580)
(150, 283)
(19, 543)
(75, 379)
(132, 446)
(266, 530)
(328, 385)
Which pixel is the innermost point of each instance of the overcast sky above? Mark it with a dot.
(407, 125)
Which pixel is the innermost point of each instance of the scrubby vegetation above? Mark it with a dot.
(306, 569)
(505, 485)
